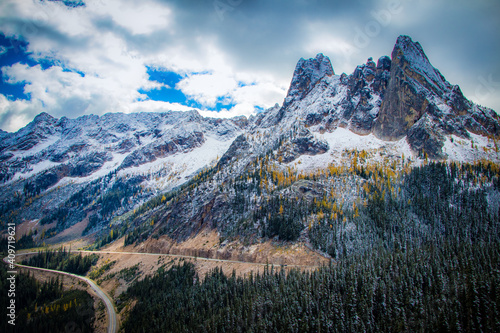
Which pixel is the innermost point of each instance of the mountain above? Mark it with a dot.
(120, 170)
(79, 147)
(421, 105)
(50, 159)
(402, 97)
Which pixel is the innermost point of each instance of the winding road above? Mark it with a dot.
(112, 321)
(197, 258)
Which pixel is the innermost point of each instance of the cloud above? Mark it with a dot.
(207, 88)
(236, 111)
(155, 106)
(16, 114)
(140, 18)
(264, 94)
(242, 53)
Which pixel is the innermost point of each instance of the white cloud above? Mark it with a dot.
(55, 88)
(16, 114)
(155, 106)
(248, 98)
(263, 94)
(139, 17)
(210, 88)
(238, 110)
(343, 54)
(207, 88)
(246, 59)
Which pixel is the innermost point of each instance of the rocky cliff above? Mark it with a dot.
(63, 171)
(419, 103)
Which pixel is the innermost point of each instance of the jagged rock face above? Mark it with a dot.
(307, 74)
(86, 143)
(152, 152)
(416, 89)
(328, 100)
(426, 137)
(405, 101)
(366, 82)
(483, 121)
(39, 129)
(388, 99)
(304, 143)
(382, 75)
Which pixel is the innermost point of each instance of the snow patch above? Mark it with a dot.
(343, 139)
(470, 150)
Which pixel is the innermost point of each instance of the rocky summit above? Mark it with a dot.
(420, 104)
(100, 168)
(399, 97)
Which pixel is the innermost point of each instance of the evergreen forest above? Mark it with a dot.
(63, 260)
(45, 307)
(418, 251)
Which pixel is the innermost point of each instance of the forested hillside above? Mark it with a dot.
(339, 209)
(46, 307)
(418, 250)
(63, 260)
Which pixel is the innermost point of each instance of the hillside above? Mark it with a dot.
(304, 171)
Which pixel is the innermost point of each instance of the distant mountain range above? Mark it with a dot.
(98, 169)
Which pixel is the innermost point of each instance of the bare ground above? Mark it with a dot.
(207, 244)
(26, 227)
(69, 234)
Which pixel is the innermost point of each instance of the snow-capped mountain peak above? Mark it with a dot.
(307, 73)
(397, 107)
(410, 56)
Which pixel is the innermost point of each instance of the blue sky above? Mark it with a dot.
(222, 57)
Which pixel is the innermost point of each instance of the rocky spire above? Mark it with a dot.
(307, 74)
(420, 104)
(412, 80)
(410, 55)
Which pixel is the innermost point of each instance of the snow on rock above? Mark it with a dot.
(412, 52)
(469, 150)
(64, 144)
(307, 74)
(342, 140)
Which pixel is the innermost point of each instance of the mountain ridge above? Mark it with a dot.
(102, 167)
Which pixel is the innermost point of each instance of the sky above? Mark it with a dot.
(223, 58)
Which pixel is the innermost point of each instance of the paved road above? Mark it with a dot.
(193, 257)
(183, 256)
(112, 321)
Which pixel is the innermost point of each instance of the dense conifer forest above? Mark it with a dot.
(45, 307)
(418, 251)
(63, 260)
